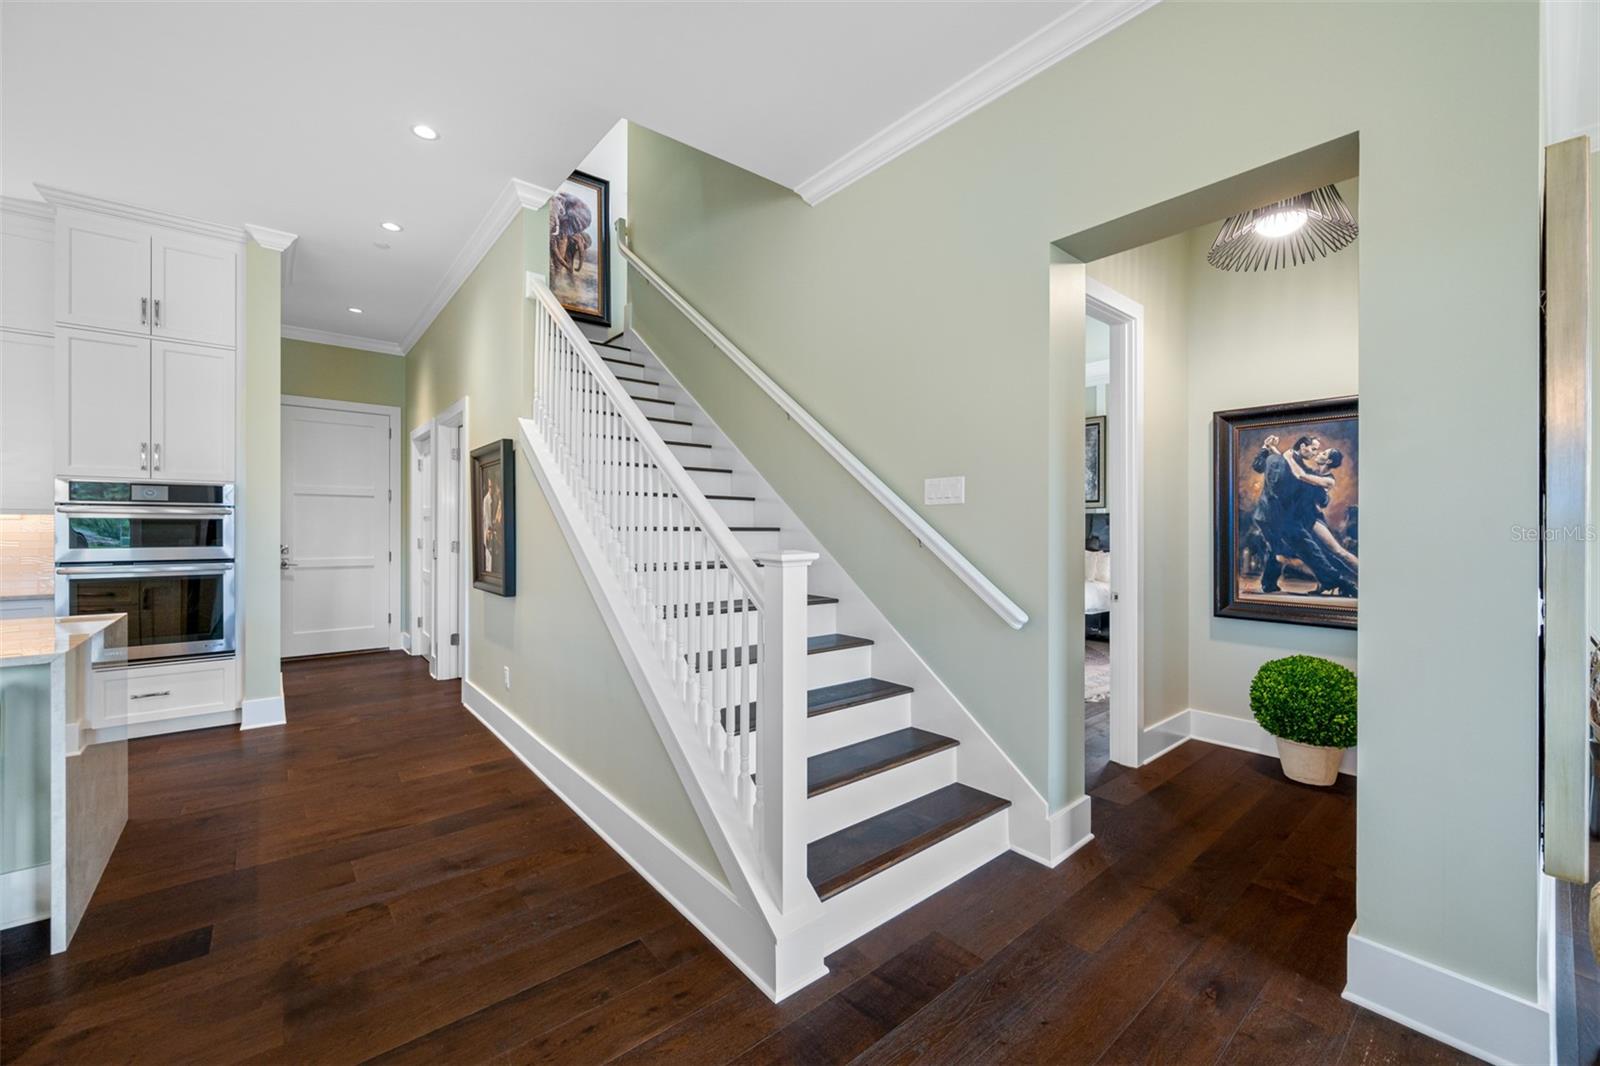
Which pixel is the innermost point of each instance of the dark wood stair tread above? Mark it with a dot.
(844, 859)
(668, 421)
(635, 381)
(818, 645)
(851, 694)
(684, 444)
(724, 606)
(855, 762)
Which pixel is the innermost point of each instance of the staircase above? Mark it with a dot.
(838, 779)
(879, 790)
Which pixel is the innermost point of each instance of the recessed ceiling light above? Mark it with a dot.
(381, 244)
(354, 310)
(427, 133)
(392, 227)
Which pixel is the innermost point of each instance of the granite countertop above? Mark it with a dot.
(28, 641)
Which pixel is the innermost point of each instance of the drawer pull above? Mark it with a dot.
(148, 695)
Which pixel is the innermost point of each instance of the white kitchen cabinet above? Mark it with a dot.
(27, 387)
(102, 404)
(194, 288)
(159, 691)
(191, 412)
(27, 269)
(102, 272)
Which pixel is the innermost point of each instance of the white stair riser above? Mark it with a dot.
(833, 667)
(635, 388)
(711, 482)
(824, 732)
(687, 454)
(822, 618)
(736, 512)
(871, 796)
(659, 407)
(756, 541)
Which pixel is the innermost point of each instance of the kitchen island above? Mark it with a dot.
(63, 765)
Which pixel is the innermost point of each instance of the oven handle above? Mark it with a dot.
(146, 570)
(89, 510)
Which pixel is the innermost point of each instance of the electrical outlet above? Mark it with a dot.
(939, 490)
(508, 679)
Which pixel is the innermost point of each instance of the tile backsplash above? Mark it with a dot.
(27, 555)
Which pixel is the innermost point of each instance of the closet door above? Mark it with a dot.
(194, 289)
(102, 405)
(191, 412)
(102, 272)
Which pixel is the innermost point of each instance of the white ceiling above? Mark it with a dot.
(297, 116)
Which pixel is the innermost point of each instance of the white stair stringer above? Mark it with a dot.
(729, 905)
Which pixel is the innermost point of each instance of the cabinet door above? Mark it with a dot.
(102, 405)
(191, 412)
(194, 288)
(102, 272)
(27, 405)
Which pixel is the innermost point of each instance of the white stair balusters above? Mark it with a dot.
(729, 636)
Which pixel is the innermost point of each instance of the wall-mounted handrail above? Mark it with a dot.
(925, 534)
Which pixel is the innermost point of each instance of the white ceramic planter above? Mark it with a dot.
(1309, 764)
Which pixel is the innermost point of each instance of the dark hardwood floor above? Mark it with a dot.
(381, 879)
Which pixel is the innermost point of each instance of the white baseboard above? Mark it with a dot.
(25, 896)
(405, 641)
(1454, 1009)
(699, 895)
(1066, 831)
(262, 711)
(1226, 730)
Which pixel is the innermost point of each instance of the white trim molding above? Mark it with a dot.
(1467, 1014)
(273, 240)
(25, 896)
(340, 340)
(16, 205)
(699, 895)
(1087, 21)
(515, 197)
(263, 711)
(1223, 730)
(149, 216)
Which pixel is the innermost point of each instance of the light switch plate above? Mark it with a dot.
(940, 490)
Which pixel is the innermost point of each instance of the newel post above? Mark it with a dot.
(780, 725)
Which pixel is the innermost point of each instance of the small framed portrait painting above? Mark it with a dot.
(494, 518)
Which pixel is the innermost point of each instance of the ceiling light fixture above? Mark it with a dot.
(1290, 232)
(427, 133)
(392, 227)
(354, 310)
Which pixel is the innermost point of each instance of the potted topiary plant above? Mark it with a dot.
(1309, 704)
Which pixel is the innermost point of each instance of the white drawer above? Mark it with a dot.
(170, 690)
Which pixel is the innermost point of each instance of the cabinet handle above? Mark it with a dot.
(149, 695)
(158, 456)
(158, 312)
(144, 310)
(144, 453)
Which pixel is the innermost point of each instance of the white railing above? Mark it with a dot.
(926, 535)
(730, 635)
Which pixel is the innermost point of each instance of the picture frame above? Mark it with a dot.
(494, 518)
(1285, 491)
(1094, 462)
(580, 247)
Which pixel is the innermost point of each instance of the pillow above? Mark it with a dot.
(1097, 566)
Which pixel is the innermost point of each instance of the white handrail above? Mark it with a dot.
(926, 535)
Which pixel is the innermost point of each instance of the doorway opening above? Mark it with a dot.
(438, 520)
(1113, 483)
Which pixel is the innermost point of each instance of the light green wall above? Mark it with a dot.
(569, 684)
(260, 502)
(329, 372)
(24, 767)
(1157, 277)
(910, 313)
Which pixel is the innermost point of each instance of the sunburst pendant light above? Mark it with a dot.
(1287, 233)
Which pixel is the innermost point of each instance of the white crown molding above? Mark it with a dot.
(516, 196)
(273, 240)
(1087, 21)
(16, 205)
(340, 340)
(149, 216)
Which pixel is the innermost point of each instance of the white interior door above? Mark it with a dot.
(447, 575)
(429, 548)
(337, 480)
